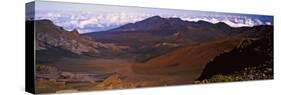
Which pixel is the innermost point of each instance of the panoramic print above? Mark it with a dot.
(88, 47)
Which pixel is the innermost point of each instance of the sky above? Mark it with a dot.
(94, 18)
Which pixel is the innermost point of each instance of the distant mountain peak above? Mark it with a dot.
(175, 19)
(222, 24)
(155, 17)
(154, 23)
(159, 18)
(158, 23)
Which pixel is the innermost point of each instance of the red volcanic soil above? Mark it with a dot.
(181, 66)
(187, 62)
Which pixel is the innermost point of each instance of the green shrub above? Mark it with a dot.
(220, 78)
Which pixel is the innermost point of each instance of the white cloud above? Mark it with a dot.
(233, 21)
(106, 20)
(87, 21)
(268, 23)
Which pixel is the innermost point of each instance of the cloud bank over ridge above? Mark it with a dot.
(94, 18)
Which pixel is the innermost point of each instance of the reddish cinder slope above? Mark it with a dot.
(188, 61)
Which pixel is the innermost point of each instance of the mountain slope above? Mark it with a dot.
(157, 23)
(156, 35)
(158, 28)
(187, 61)
(192, 59)
(49, 34)
(256, 53)
(54, 42)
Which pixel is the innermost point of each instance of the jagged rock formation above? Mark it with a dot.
(53, 42)
(48, 34)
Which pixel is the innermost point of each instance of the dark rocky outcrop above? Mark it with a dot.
(249, 54)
